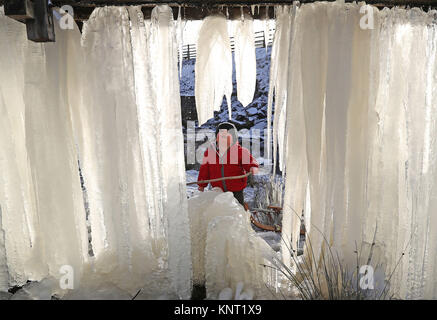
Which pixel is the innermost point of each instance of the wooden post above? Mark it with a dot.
(20, 10)
(36, 14)
(41, 28)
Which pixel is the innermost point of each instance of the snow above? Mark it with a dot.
(360, 128)
(245, 60)
(202, 208)
(213, 67)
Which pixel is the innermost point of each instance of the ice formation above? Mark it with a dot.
(200, 215)
(228, 256)
(360, 136)
(180, 25)
(213, 69)
(245, 60)
(278, 78)
(41, 199)
(126, 133)
(143, 207)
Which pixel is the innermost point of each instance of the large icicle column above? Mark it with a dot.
(213, 69)
(132, 152)
(42, 211)
(100, 99)
(163, 59)
(360, 132)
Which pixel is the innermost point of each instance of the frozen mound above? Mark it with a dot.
(236, 256)
(227, 253)
(201, 208)
(138, 209)
(213, 69)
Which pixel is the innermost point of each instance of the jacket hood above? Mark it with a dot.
(231, 128)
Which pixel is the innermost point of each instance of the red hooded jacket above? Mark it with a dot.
(235, 162)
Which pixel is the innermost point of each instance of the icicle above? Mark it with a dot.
(53, 162)
(242, 13)
(180, 38)
(130, 208)
(17, 199)
(173, 196)
(277, 82)
(245, 60)
(227, 13)
(266, 28)
(213, 67)
(252, 9)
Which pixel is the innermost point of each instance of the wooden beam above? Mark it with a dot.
(36, 14)
(20, 10)
(199, 9)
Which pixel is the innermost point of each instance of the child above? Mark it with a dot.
(227, 159)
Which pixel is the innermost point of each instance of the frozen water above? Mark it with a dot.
(213, 68)
(227, 253)
(42, 207)
(4, 276)
(202, 208)
(360, 128)
(143, 207)
(130, 148)
(17, 202)
(278, 79)
(245, 60)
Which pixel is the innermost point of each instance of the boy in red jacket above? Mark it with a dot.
(226, 159)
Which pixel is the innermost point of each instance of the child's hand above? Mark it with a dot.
(201, 189)
(254, 170)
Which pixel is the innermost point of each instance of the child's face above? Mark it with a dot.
(224, 135)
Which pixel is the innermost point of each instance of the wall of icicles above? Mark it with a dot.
(99, 99)
(355, 122)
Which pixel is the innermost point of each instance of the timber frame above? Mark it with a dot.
(37, 15)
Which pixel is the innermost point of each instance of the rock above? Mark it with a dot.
(252, 111)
